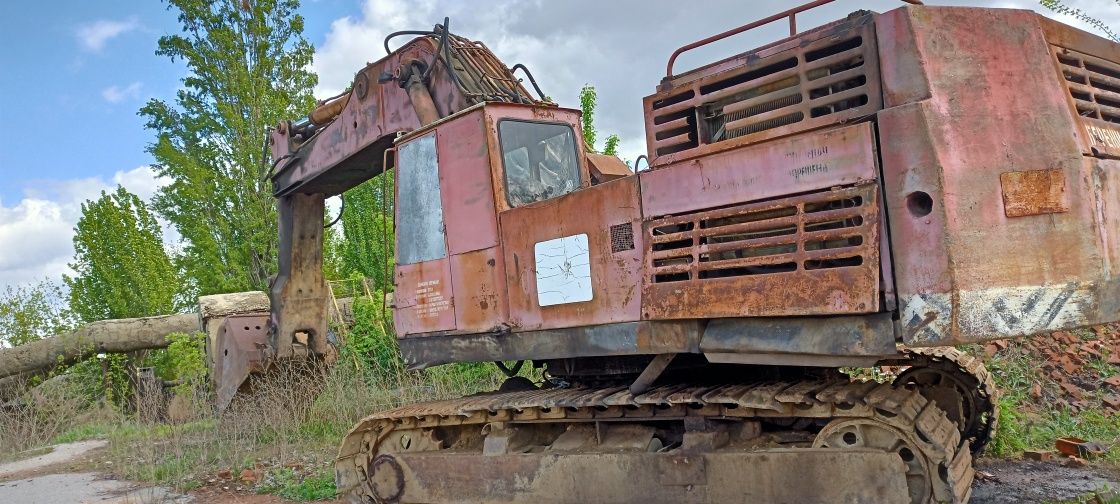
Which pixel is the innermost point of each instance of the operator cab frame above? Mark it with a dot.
(478, 164)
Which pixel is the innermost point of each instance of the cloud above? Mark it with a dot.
(37, 232)
(117, 94)
(93, 36)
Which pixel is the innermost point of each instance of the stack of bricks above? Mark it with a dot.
(1078, 370)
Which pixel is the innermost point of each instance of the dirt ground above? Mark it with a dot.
(51, 479)
(1027, 481)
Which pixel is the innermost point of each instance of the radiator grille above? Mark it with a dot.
(831, 79)
(819, 231)
(1093, 83)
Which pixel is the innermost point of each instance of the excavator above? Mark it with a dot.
(874, 191)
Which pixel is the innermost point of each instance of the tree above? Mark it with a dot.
(33, 312)
(248, 63)
(122, 269)
(367, 229)
(1060, 7)
(588, 100)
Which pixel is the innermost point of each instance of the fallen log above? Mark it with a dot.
(109, 336)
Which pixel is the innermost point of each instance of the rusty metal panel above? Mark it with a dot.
(812, 254)
(616, 339)
(615, 277)
(833, 336)
(423, 300)
(797, 164)
(468, 195)
(965, 271)
(824, 76)
(481, 304)
(242, 340)
(1034, 192)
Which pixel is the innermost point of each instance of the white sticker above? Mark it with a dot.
(563, 270)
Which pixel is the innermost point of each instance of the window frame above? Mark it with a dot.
(576, 143)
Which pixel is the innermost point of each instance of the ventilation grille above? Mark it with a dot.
(828, 80)
(1093, 83)
(622, 237)
(825, 230)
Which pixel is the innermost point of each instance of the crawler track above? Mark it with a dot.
(961, 377)
(802, 407)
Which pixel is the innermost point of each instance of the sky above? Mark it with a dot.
(74, 73)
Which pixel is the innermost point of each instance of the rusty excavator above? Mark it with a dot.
(870, 192)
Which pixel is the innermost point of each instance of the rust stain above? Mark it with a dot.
(1034, 192)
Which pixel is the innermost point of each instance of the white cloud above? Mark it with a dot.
(117, 94)
(93, 36)
(37, 232)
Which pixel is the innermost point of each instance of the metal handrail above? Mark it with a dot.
(791, 14)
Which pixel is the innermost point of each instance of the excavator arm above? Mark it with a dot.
(345, 141)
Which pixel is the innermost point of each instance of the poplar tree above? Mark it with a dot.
(122, 269)
(248, 68)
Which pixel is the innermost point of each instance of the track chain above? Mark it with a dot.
(939, 440)
(983, 387)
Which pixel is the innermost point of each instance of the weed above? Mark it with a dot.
(286, 483)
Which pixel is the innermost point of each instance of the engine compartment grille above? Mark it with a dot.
(818, 231)
(827, 77)
(1094, 84)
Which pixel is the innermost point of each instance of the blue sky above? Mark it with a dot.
(74, 73)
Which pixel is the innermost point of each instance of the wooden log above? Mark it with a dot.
(109, 336)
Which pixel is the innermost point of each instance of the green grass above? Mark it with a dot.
(286, 483)
(1022, 429)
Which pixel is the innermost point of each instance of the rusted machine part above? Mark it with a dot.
(241, 342)
(420, 98)
(960, 385)
(509, 439)
(605, 168)
(326, 112)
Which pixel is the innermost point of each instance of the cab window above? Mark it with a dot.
(539, 160)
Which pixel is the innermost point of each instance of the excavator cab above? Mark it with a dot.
(455, 181)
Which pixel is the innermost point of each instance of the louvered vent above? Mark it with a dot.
(1093, 83)
(827, 80)
(830, 229)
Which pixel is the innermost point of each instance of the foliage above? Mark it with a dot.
(122, 269)
(1061, 7)
(366, 249)
(249, 69)
(610, 147)
(370, 341)
(32, 312)
(184, 360)
(588, 101)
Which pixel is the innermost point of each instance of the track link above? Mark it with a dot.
(976, 384)
(931, 433)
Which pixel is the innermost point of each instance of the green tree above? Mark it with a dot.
(122, 269)
(1060, 7)
(248, 63)
(588, 100)
(367, 227)
(33, 312)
